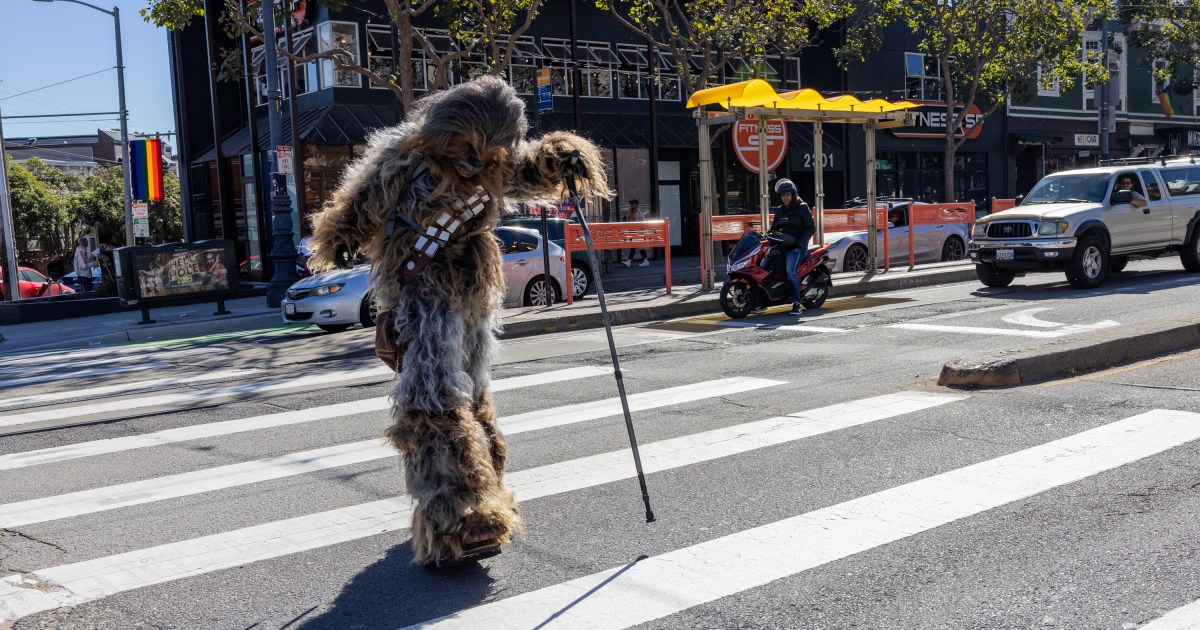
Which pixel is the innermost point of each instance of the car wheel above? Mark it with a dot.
(1190, 255)
(855, 259)
(953, 249)
(333, 328)
(1117, 264)
(538, 293)
(368, 311)
(737, 298)
(1089, 263)
(581, 279)
(993, 276)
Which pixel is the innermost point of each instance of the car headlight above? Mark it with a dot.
(327, 289)
(1052, 228)
(979, 229)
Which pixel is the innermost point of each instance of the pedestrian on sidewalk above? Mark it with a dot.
(83, 264)
(636, 213)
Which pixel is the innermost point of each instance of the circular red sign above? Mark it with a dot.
(745, 143)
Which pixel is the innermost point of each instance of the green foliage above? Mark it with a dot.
(100, 206)
(166, 216)
(172, 14)
(1169, 33)
(39, 210)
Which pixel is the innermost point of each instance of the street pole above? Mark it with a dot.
(1102, 89)
(283, 250)
(129, 238)
(10, 240)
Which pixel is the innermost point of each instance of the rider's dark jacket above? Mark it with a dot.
(799, 224)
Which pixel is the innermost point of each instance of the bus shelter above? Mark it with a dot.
(756, 100)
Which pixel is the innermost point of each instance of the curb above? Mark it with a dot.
(1133, 343)
(164, 330)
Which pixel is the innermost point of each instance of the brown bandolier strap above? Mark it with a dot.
(441, 232)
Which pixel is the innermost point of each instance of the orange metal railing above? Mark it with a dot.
(618, 236)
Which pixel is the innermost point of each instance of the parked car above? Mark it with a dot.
(521, 253)
(33, 284)
(72, 280)
(1082, 223)
(581, 264)
(931, 243)
(336, 300)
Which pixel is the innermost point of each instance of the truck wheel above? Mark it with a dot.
(1089, 264)
(1117, 264)
(1190, 255)
(993, 276)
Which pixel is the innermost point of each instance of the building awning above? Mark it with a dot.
(333, 124)
(1147, 140)
(1032, 137)
(759, 93)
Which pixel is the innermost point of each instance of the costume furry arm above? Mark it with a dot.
(542, 163)
(353, 218)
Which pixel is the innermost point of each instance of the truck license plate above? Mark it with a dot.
(1004, 254)
(289, 309)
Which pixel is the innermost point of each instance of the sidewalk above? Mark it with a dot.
(626, 303)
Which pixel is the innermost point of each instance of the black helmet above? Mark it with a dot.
(786, 186)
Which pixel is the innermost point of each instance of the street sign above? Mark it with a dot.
(141, 227)
(745, 143)
(283, 160)
(545, 91)
(141, 210)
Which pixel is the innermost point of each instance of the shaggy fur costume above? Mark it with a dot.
(450, 145)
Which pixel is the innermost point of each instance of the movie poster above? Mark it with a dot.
(178, 273)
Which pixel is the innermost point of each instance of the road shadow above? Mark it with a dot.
(394, 593)
(1119, 283)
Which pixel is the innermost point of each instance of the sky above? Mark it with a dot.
(44, 43)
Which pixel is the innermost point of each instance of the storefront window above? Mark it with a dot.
(254, 259)
(323, 167)
(331, 36)
(921, 176)
(921, 78)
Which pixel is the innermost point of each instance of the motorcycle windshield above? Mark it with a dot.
(748, 244)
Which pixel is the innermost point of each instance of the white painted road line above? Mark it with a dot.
(1009, 332)
(1027, 318)
(1182, 618)
(228, 427)
(184, 399)
(233, 475)
(108, 355)
(107, 390)
(798, 327)
(663, 585)
(543, 418)
(73, 584)
(60, 375)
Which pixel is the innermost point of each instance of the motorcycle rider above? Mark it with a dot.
(794, 218)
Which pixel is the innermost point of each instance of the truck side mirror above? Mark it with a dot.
(1122, 196)
(1019, 199)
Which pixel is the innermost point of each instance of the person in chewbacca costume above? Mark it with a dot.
(442, 176)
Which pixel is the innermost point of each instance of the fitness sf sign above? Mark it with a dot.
(931, 122)
(745, 143)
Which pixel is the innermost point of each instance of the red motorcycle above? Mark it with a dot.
(758, 275)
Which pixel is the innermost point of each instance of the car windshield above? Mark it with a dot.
(1085, 187)
(553, 226)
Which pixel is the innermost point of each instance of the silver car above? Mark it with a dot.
(524, 280)
(931, 243)
(336, 300)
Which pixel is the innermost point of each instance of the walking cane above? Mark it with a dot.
(612, 346)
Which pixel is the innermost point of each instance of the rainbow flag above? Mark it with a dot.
(1164, 101)
(145, 162)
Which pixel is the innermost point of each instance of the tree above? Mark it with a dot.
(485, 28)
(101, 205)
(1170, 35)
(984, 52)
(166, 216)
(715, 31)
(39, 212)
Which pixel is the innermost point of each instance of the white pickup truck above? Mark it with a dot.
(1080, 222)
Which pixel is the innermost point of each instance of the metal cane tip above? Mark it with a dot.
(649, 516)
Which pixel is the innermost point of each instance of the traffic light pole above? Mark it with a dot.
(283, 249)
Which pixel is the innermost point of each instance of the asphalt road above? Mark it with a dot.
(805, 473)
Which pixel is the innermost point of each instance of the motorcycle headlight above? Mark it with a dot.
(979, 229)
(1052, 228)
(327, 289)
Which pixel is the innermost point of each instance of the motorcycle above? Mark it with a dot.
(758, 275)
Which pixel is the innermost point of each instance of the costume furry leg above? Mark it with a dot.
(456, 145)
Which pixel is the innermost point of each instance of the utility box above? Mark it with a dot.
(148, 276)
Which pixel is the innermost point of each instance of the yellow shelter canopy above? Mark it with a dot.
(759, 93)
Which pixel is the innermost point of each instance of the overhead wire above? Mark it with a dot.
(82, 76)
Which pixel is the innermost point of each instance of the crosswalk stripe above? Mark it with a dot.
(977, 330)
(233, 475)
(66, 414)
(107, 390)
(228, 427)
(59, 375)
(108, 355)
(663, 585)
(1182, 618)
(46, 589)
